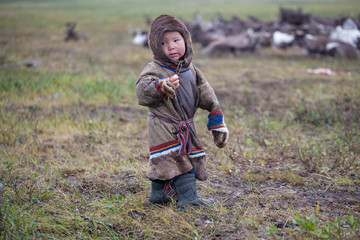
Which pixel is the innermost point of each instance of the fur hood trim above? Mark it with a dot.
(167, 23)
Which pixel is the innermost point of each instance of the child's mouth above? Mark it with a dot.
(172, 55)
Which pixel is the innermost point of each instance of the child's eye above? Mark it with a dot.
(163, 43)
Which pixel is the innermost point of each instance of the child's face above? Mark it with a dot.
(173, 45)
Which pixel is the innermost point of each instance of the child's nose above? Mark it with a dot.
(171, 45)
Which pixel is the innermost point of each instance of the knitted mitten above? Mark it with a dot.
(217, 126)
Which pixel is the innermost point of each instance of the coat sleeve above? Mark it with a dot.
(208, 101)
(147, 87)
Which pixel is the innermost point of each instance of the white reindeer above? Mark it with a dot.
(348, 33)
(282, 40)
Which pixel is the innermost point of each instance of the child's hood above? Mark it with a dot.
(167, 23)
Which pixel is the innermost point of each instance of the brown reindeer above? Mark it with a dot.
(321, 45)
(236, 44)
(71, 34)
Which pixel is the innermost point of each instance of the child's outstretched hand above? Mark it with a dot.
(220, 138)
(167, 87)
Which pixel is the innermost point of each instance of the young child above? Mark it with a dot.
(173, 89)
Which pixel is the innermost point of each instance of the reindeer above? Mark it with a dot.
(312, 44)
(71, 34)
(236, 44)
(293, 17)
(282, 40)
(321, 45)
(347, 33)
(140, 36)
(343, 50)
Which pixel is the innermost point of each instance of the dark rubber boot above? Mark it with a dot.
(162, 192)
(157, 194)
(186, 192)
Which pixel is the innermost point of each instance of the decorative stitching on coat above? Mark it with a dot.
(216, 120)
(164, 148)
(173, 70)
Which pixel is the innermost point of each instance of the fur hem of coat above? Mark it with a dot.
(166, 168)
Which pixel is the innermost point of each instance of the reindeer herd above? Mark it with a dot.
(338, 37)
